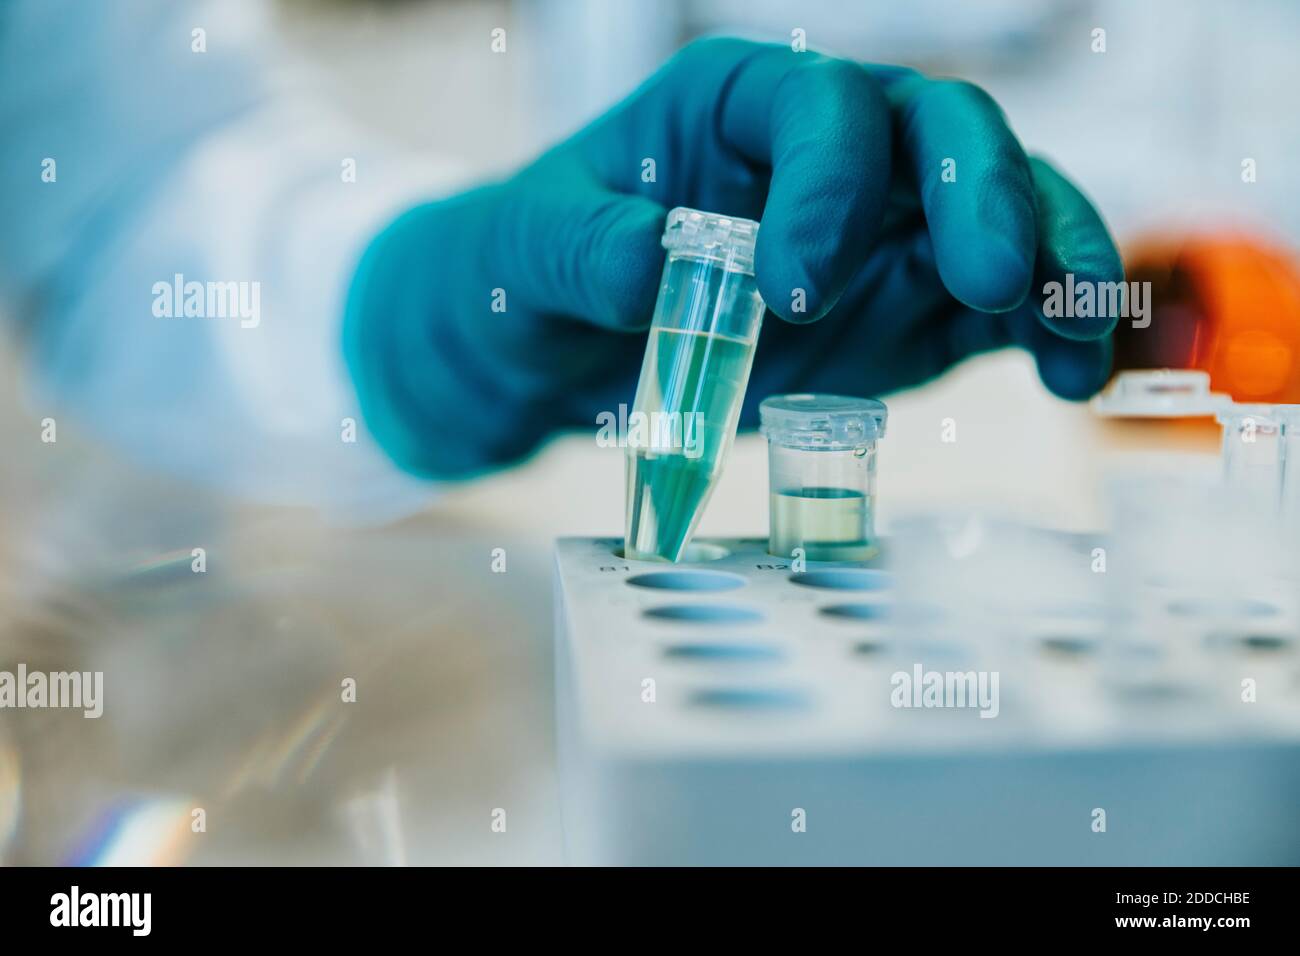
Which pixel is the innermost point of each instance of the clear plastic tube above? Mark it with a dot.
(1253, 454)
(822, 475)
(693, 379)
(1289, 418)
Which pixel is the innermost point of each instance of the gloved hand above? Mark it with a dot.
(903, 273)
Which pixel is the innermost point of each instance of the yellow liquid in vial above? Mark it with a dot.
(829, 524)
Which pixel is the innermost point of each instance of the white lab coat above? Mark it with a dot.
(127, 158)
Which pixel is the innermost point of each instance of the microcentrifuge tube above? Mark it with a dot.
(1289, 418)
(693, 379)
(822, 475)
(1253, 454)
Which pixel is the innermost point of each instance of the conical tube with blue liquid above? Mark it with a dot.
(697, 362)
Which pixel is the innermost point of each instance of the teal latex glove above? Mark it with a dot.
(902, 274)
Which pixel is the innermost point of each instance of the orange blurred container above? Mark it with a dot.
(1229, 305)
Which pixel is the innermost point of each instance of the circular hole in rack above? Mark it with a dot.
(1261, 642)
(750, 698)
(1068, 645)
(687, 580)
(857, 612)
(697, 552)
(1265, 642)
(738, 653)
(705, 613)
(843, 579)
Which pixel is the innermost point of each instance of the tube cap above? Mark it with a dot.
(1263, 415)
(829, 422)
(706, 235)
(1160, 393)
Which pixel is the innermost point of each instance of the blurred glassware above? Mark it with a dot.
(1226, 303)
